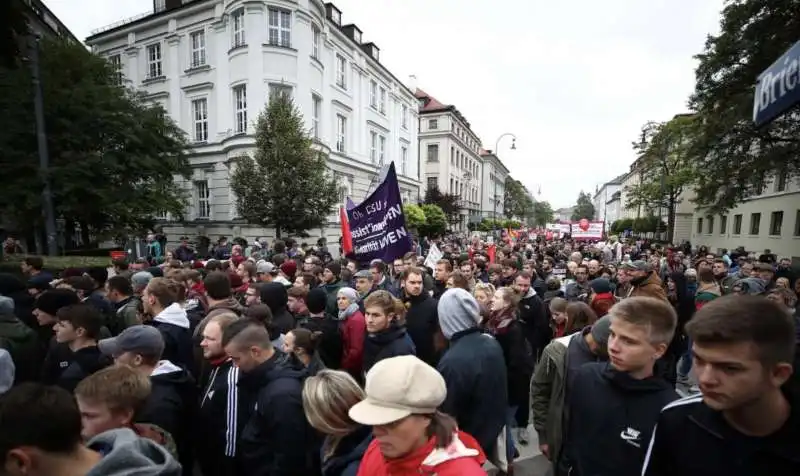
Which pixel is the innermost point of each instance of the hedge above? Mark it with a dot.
(55, 264)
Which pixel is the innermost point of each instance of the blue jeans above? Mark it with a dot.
(511, 422)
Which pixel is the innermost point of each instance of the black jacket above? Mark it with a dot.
(276, 439)
(348, 453)
(174, 326)
(22, 343)
(391, 342)
(475, 373)
(422, 323)
(692, 439)
(611, 418)
(330, 344)
(519, 361)
(274, 295)
(535, 323)
(66, 368)
(172, 405)
(222, 414)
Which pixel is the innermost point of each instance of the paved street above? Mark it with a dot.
(530, 462)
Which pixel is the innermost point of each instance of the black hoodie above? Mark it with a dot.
(66, 368)
(390, 342)
(611, 418)
(275, 296)
(422, 322)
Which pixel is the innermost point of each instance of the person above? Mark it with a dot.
(330, 340)
(353, 328)
(411, 436)
(614, 406)
(644, 281)
(160, 300)
(327, 399)
(77, 331)
(474, 370)
(386, 331)
(20, 343)
(46, 440)
(7, 371)
(746, 420)
(302, 344)
(421, 318)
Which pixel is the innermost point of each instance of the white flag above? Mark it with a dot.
(434, 255)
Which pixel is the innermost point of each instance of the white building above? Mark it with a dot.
(603, 196)
(613, 207)
(493, 185)
(451, 153)
(212, 65)
(770, 220)
(563, 214)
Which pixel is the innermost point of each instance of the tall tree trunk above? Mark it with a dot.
(277, 232)
(671, 219)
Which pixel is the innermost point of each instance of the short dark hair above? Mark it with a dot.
(756, 319)
(120, 284)
(84, 316)
(99, 274)
(247, 333)
(35, 262)
(510, 263)
(80, 283)
(412, 270)
(44, 417)
(460, 280)
(524, 275)
(448, 266)
(379, 265)
(218, 285)
(120, 263)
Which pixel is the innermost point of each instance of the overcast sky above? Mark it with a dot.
(574, 81)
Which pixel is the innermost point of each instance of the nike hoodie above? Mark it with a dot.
(174, 326)
(611, 419)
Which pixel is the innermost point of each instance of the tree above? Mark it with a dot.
(449, 203)
(665, 166)
(13, 26)
(732, 156)
(542, 213)
(584, 207)
(435, 220)
(113, 156)
(414, 215)
(285, 184)
(517, 201)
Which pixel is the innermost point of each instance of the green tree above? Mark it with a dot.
(13, 26)
(113, 156)
(286, 184)
(584, 208)
(517, 201)
(732, 156)
(449, 203)
(665, 165)
(435, 221)
(415, 217)
(542, 213)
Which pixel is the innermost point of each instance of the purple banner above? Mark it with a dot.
(377, 224)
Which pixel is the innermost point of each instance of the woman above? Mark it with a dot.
(483, 293)
(558, 311)
(602, 296)
(301, 344)
(782, 282)
(327, 399)
(386, 329)
(353, 328)
(412, 437)
(507, 329)
(578, 316)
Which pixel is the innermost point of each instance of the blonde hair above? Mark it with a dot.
(388, 304)
(327, 399)
(509, 296)
(487, 288)
(118, 387)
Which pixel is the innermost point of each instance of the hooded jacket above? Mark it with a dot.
(66, 368)
(353, 329)
(126, 315)
(519, 361)
(329, 347)
(173, 324)
(649, 286)
(22, 343)
(387, 343)
(422, 322)
(277, 439)
(611, 418)
(275, 296)
(535, 323)
(125, 453)
(346, 457)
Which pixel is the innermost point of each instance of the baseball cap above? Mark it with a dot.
(143, 340)
(265, 267)
(398, 387)
(637, 265)
(364, 273)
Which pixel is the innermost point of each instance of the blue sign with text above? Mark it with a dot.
(778, 87)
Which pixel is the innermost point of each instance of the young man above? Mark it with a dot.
(747, 420)
(46, 440)
(614, 406)
(330, 343)
(76, 355)
(160, 300)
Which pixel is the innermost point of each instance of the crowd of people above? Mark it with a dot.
(625, 357)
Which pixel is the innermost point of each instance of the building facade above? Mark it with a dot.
(213, 64)
(603, 195)
(493, 185)
(769, 220)
(450, 151)
(563, 214)
(42, 21)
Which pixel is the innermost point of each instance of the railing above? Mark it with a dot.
(120, 23)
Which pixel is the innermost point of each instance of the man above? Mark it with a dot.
(266, 271)
(552, 381)
(379, 280)
(722, 276)
(46, 440)
(767, 274)
(473, 368)
(76, 356)
(160, 300)
(184, 251)
(331, 284)
(644, 281)
(329, 345)
(614, 406)
(746, 420)
(45, 310)
(579, 290)
(421, 316)
(223, 411)
(120, 293)
(532, 314)
(139, 282)
(297, 304)
(442, 272)
(173, 397)
(247, 271)
(21, 343)
(33, 266)
(509, 271)
(287, 273)
(363, 283)
(784, 270)
(276, 438)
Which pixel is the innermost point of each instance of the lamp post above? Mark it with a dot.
(496, 149)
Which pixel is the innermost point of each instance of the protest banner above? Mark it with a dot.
(434, 255)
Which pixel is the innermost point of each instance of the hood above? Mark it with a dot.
(625, 382)
(385, 336)
(277, 367)
(167, 372)
(174, 314)
(275, 296)
(230, 304)
(425, 459)
(126, 454)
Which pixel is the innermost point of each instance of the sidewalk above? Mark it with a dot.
(531, 462)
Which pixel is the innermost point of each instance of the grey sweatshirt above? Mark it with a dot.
(126, 454)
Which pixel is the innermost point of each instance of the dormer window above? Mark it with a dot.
(336, 17)
(357, 36)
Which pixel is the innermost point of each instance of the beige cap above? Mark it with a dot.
(398, 387)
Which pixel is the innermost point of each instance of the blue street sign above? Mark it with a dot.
(778, 87)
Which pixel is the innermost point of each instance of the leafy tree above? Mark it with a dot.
(286, 175)
(584, 207)
(13, 26)
(542, 214)
(415, 217)
(113, 156)
(621, 225)
(449, 203)
(517, 200)
(732, 156)
(435, 220)
(512, 224)
(665, 165)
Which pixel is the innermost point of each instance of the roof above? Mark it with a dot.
(431, 104)
(617, 180)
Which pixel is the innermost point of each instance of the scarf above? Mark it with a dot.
(349, 311)
(499, 321)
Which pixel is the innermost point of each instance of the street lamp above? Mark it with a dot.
(496, 149)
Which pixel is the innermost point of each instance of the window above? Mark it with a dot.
(404, 117)
(280, 28)
(200, 118)
(755, 223)
(699, 226)
(316, 112)
(737, 224)
(433, 124)
(198, 45)
(780, 181)
(775, 223)
(403, 160)
(237, 28)
(116, 65)
(240, 109)
(432, 183)
(797, 223)
(433, 152)
(316, 39)
(373, 146)
(154, 61)
(383, 101)
(203, 201)
(710, 224)
(159, 5)
(341, 68)
(381, 150)
(723, 224)
(341, 132)
(282, 89)
(373, 94)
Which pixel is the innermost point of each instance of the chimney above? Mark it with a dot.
(353, 32)
(412, 82)
(372, 50)
(333, 14)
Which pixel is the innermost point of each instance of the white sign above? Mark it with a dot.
(593, 232)
(562, 228)
(434, 255)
